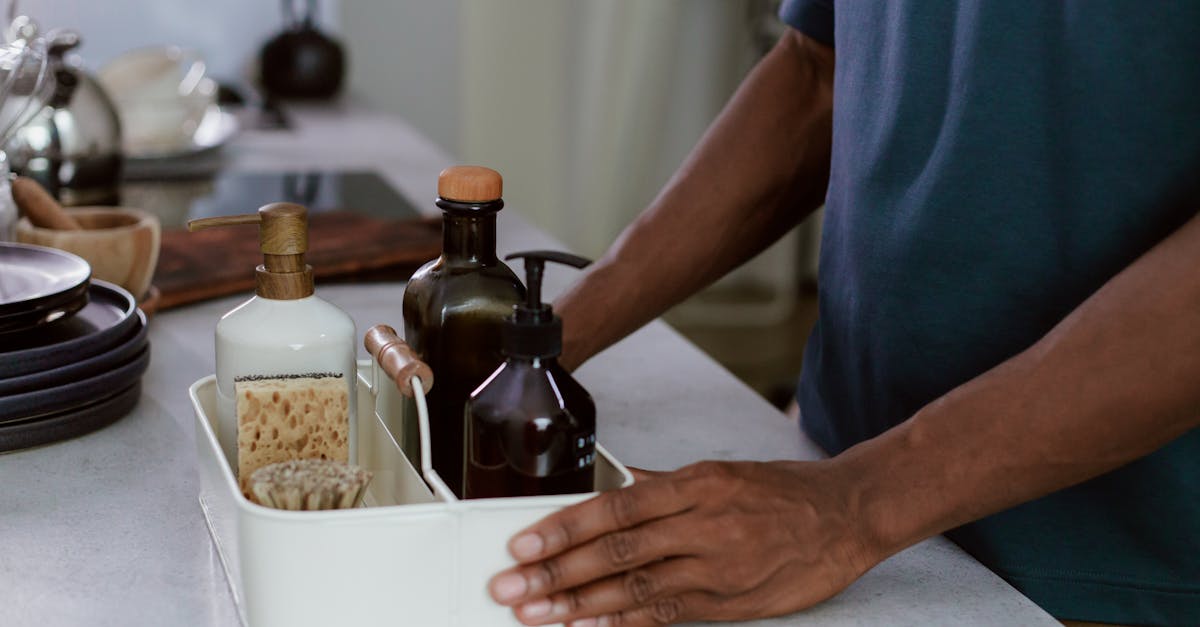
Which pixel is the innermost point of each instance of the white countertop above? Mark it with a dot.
(105, 530)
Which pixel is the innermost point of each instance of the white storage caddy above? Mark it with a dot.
(409, 556)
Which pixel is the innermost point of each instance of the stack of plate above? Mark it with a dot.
(72, 350)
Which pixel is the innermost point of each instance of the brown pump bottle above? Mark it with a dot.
(531, 428)
(454, 308)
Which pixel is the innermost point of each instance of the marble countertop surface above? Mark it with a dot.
(105, 530)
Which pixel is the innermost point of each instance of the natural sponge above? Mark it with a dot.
(290, 417)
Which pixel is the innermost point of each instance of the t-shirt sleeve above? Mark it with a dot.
(811, 17)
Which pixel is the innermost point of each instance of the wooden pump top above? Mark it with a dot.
(283, 239)
(470, 183)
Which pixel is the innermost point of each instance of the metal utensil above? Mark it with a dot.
(28, 83)
(69, 139)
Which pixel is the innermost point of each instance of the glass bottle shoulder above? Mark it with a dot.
(547, 397)
(268, 321)
(439, 290)
(443, 269)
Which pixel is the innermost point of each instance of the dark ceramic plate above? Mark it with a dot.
(20, 407)
(34, 277)
(52, 310)
(108, 318)
(130, 345)
(71, 423)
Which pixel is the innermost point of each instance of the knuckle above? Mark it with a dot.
(573, 600)
(739, 536)
(557, 530)
(560, 535)
(724, 582)
(623, 508)
(551, 573)
(667, 611)
(640, 586)
(676, 489)
(711, 482)
(710, 474)
(728, 578)
(730, 581)
(620, 548)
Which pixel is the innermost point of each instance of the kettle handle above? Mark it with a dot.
(290, 21)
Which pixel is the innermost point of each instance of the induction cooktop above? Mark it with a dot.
(235, 192)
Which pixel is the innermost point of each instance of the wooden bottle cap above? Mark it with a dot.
(470, 183)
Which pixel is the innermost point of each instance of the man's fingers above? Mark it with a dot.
(607, 555)
(665, 611)
(619, 593)
(608, 512)
(645, 475)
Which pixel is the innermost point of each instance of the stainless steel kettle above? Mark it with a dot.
(73, 145)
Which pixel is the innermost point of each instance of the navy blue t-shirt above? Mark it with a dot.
(995, 163)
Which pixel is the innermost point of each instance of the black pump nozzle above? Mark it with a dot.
(535, 262)
(534, 330)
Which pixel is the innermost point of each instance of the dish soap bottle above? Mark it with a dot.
(285, 358)
(454, 308)
(531, 428)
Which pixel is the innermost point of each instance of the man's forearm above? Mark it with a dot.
(1115, 380)
(761, 167)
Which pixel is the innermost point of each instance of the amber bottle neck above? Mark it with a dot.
(469, 237)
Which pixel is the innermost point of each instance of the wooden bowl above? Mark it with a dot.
(120, 243)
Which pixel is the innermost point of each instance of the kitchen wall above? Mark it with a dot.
(586, 107)
(228, 32)
(405, 58)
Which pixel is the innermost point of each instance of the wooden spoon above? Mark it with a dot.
(40, 207)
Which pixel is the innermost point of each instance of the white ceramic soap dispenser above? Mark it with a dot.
(285, 358)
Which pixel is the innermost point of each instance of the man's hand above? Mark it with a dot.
(712, 541)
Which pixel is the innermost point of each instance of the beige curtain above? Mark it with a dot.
(588, 106)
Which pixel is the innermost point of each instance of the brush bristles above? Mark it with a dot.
(309, 484)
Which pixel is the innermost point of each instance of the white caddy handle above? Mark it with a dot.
(412, 378)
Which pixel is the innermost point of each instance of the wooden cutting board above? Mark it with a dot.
(342, 246)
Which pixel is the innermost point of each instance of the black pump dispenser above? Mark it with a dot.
(533, 330)
(531, 428)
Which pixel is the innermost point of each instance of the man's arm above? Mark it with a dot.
(1113, 381)
(1116, 379)
(762, 166)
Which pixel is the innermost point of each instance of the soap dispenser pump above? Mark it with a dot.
(531, 427)
(285, 357)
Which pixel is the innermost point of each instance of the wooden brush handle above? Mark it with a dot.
(397, 359)
(40, 207)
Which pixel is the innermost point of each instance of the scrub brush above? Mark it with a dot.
(309, 484)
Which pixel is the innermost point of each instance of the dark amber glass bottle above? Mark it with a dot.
(454, 307)
(531, 428)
